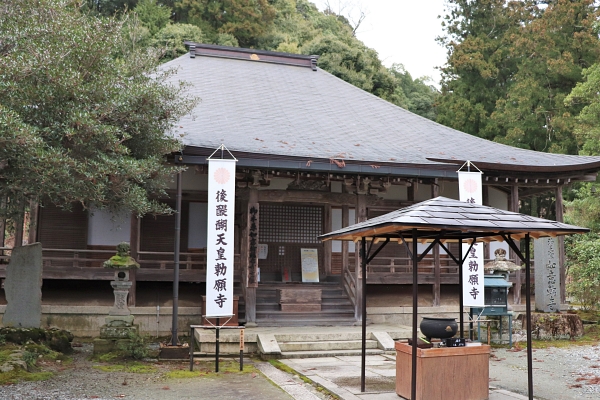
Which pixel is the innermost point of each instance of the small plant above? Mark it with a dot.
(30, 358)
(135, 346)
(2, 339)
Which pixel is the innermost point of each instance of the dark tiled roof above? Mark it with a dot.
(459, 219)
(285, 111)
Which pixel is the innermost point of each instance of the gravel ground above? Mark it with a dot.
(80, 380)
(558, 373)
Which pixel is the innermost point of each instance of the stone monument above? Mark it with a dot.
(23, 287)
(547, 275)
(119, 322)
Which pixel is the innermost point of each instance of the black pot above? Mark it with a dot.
(441, 328)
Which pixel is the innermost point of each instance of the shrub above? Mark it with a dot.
(583, 281)
(135, 346)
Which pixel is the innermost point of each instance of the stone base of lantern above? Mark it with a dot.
(112, 337)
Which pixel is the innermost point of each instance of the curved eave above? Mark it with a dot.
(582, 166)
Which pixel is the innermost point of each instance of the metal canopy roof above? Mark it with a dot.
(439, 220)
(452, 220)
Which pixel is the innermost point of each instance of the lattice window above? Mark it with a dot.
(290, 224)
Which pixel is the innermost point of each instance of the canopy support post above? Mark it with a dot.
(363, 260)
(415, 288)
(528, 312)
(460, 288)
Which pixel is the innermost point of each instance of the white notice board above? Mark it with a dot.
(310, 265)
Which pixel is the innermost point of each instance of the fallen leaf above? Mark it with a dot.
(166, 388)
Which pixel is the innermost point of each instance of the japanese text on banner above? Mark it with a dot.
(220, 234)
(472, 273)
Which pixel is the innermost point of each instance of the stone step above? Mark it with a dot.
(312, 321)
(324, 304)
(320, 337)
(326, 345)
(331, 293)
(303, 315)
(329, 353)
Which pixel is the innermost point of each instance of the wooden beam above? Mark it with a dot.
(561, 245)
(303, 196)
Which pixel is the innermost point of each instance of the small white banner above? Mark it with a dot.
(469, 184)
(219, 246)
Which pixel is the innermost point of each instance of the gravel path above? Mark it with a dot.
(558, 373)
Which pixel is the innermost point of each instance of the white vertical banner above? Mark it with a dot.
(469, 184)
(219, 246)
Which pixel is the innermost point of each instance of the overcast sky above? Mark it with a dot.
(402, 31)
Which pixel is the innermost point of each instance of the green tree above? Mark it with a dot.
(169, 40)
(246, 20)
(479, 67)
(83, 117)
(420, 97)
(585, 94)
(152, 15)
(510, 67)
(552, 50)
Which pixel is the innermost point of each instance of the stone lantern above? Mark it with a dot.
(119, 322)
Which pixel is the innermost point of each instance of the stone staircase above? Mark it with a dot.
(303, 342)
(309, 345)
(336, 307)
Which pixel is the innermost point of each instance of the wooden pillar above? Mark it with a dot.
(345, 255)
(361, 215)
(33, 221)
(19, 230)
(250, 300)
(485, 195)
(437, 283)
(514, 206)
(485, 199)
(327, 245)
(561, 245)
(2, 226)
(410, 192)
(134, 248)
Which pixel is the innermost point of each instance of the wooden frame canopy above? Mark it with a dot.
(441, 220)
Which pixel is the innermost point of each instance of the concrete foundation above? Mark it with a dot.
(86, 321)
